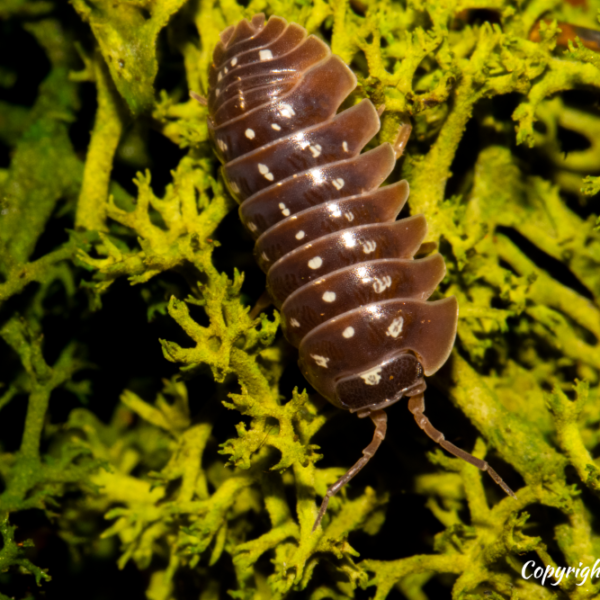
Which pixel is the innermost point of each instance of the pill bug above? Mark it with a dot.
(339, 266)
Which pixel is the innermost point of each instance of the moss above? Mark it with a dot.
(209, 475)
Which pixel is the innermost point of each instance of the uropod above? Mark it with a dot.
(339, 266)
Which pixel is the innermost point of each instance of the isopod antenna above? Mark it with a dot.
(416, 405)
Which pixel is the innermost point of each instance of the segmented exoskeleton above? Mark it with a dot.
(339, 266)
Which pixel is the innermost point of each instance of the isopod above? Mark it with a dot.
(339, 266)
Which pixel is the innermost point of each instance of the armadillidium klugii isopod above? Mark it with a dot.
(339, 266)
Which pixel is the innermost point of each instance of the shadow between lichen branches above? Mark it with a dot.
(524, 370)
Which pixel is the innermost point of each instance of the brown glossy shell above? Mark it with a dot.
(338, 263)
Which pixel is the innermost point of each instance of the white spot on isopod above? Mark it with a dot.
(349, 216)
(252, 226)
(264, 171)
(286, 110)
(372, 376)
(369, 247)
(329, 297)
(284, 210)
(222, 145)
(265, 55)
(345, 146)
(315, 263)
(338, 183)
(294, 323)
(226, 70)
(220, 76)
(249, 133)
(315, 150)
(233, 62)
(348, 332)
(382, 284)
(300, 235)
(275, 127)
(264, 257)
(320, 360)
(235, 188)
(395, 328)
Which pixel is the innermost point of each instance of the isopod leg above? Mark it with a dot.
(402, 139)
(416, 405)
(404, 132)
(261, 304)
(198, 98)
(379, 418)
